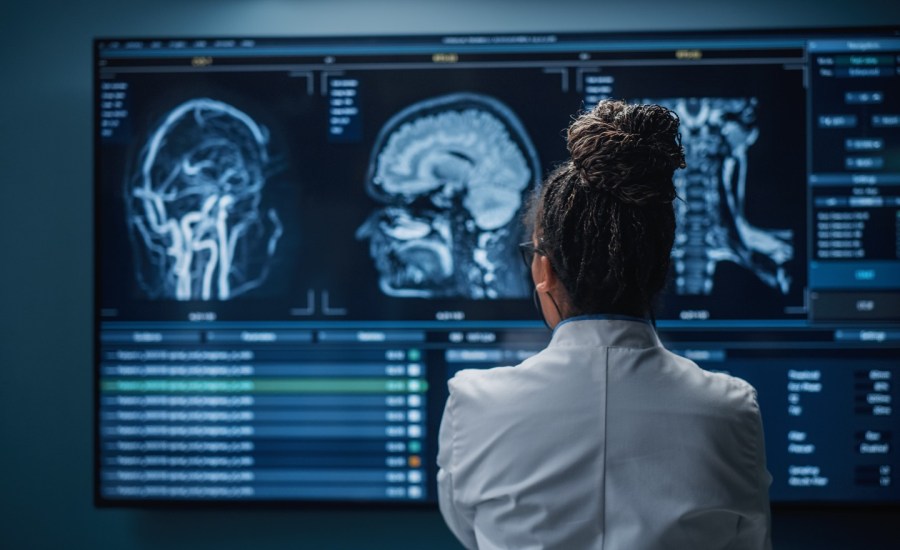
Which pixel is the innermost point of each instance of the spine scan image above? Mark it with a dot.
(712, 227)
(193, 205)
(452, 174)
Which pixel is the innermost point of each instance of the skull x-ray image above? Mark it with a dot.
(452, 173)
(193, 204)
(712, 226)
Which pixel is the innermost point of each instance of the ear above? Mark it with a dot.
(546, 280)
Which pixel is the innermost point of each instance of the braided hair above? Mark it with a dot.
(605, 218)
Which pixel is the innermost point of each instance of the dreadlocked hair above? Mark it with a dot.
(605, 217)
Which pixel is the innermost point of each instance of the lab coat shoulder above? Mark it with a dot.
(669, 415)
(717, 393)
(464, 442)
(496, 383)
(749, 478)
(722, 406)
(479, 394)
(499, 411)
(516, 440)
(503, 393)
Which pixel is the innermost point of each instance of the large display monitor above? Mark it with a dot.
(299, 240)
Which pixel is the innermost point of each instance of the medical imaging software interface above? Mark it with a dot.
(299, 241)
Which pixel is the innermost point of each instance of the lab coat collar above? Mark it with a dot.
(605, 331)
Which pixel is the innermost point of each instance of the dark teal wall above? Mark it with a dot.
(45, 240)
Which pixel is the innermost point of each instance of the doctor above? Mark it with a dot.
(604, 439)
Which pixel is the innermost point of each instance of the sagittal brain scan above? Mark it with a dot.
(452, 173)
(712, 227)
(193, 205)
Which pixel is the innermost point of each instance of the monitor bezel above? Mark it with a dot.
(99, 501)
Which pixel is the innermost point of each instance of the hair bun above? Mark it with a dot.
(628, 151)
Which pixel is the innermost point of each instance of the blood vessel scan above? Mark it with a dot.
(193, 205)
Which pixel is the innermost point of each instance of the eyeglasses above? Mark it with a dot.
(528, 250)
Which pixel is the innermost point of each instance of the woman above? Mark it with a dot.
(604, 439)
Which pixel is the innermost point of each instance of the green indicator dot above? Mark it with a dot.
(414, 354)
(415, 446)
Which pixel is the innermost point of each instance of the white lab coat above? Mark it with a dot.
(603, 440)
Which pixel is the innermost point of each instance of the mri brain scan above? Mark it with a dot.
(193, 205)
(712, 226)
(452, 174)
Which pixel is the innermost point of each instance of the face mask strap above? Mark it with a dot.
(537, 306)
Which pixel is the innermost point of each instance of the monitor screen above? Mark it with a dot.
(299, 240)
